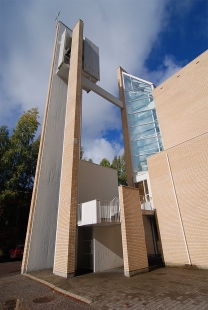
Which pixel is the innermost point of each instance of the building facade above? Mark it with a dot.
(79, 217)
(176, 176)
(179, 174)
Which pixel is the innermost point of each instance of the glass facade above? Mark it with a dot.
(142, 121)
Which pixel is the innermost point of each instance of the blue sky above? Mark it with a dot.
(151, 39)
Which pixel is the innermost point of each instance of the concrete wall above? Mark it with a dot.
(96, 182)
(180, 196)
(181, 103)
(108, 251)
(40, 240)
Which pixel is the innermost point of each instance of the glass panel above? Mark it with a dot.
(139, 166)
(138, 105)
(127, 82)
(134, 95)
(141, 118)
(145, 142)
(160, 142)
(141, 86)
(148, 146)
(143, 131)
(154, 114)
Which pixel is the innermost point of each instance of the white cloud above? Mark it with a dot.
(100, 148)
(168, 67)
(125, 32)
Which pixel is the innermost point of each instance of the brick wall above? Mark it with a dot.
(181, 103)
(189, 168)
(132, 230)
(126, 138)
(64, 263)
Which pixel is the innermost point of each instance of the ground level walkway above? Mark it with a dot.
(164, 288)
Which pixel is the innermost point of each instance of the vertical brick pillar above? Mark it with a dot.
(127, 147)
(132, 230)
(64, 260)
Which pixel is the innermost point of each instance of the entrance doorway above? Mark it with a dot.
(87, 248)
(152, 242)
(85, 258)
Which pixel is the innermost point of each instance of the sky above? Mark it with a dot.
(151, 39)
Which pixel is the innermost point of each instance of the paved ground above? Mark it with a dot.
(18, 292)
(8, 269)
(164, 288)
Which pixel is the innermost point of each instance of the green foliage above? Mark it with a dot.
(105, 163)
(4, 145)
(84, 158)
(81, 152)
(18, 155)
(119, 164)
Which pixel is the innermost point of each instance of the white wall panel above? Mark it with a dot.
(42, 245)
(108, 251)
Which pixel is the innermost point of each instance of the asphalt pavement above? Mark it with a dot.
(18, 292)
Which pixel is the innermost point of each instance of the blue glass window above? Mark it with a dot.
(139, 105)
(142, 121)
(141, 118)
(147, 130)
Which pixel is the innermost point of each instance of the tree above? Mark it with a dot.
(81, 152)
(105, 163)
(123, 175)
(4, 144)
(18, 156)
(119, 164)
(84, 158)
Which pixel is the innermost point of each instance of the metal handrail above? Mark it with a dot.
(107, 211)
(110, 210)
(146, 203)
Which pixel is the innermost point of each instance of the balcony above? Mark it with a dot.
(105, 212)
(102, 212)
(146, 205)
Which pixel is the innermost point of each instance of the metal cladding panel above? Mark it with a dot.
(42, 242)
(91, 59)
(62, 49)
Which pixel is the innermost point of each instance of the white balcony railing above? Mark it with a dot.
(105, 211)
(146, 203)
(98, 211)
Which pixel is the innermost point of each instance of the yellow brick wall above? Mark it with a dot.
(181, 103)
(132, 230)
(189, 167)
(64, 263)
(126, 138)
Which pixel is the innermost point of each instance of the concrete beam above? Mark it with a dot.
(101, 92)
